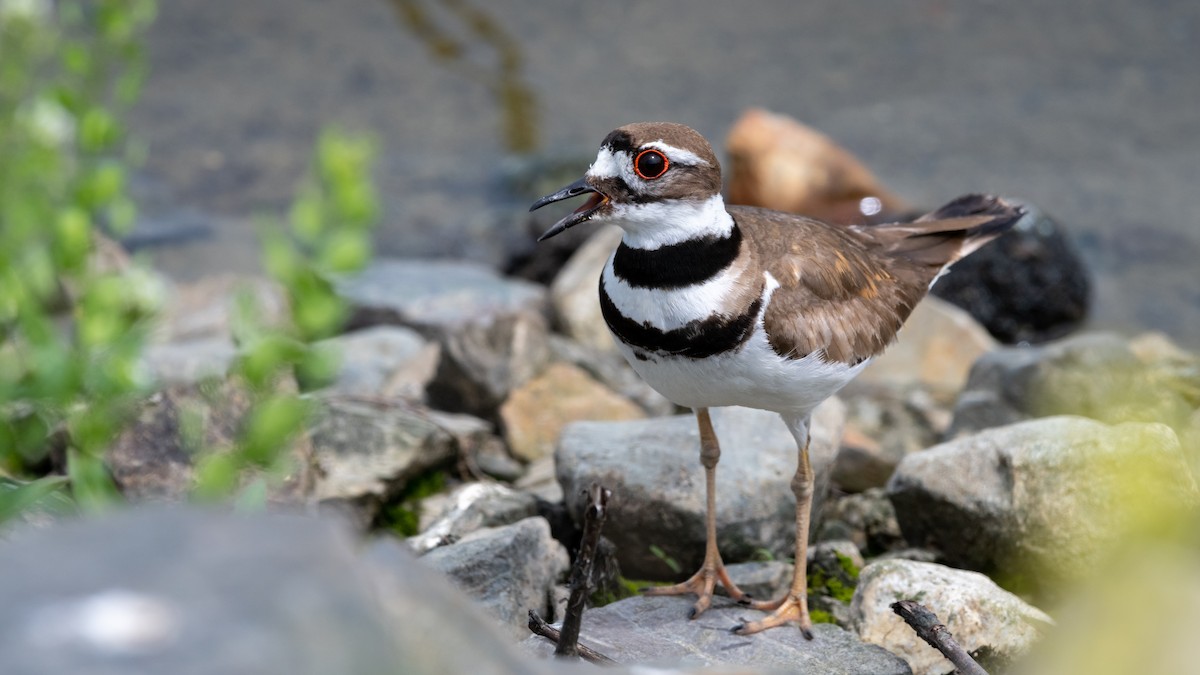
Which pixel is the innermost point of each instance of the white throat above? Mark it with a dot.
(656, 224)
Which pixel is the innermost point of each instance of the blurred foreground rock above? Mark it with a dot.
(992, 624)
(653, 469)
(195, 592)
(655, 632)
(1040, 503)
(1096, 375)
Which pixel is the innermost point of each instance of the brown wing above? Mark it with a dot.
(847, 291)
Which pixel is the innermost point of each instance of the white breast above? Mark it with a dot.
(753, 375)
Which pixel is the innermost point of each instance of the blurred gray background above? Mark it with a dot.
(1086, 108)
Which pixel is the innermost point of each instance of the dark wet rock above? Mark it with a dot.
(365, 451)
(611, 369)
(154, 455)
(191, 592)
(447, 518)
(1004, 284)
(655, 631)
(1094, 375)
(986, 620)
(535, 413)
(833, 569)
(652, 467)
(1039, 503)
(388, 361)
(506, 570)
(867, 519)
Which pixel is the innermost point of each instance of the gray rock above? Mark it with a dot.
(989, 622)
(153, 456)
(761, 579)
(883, 425)
(436, 296)
(1040, 502)
(507, 570)
(611, 368)
(652, 467)
(492, 331)
(190, 592)
(478, 445)
(365, 451)
(868, 519)
(389, 361)
(189, 362)
(467, 509)
(207, 308)
(540, 480)
(574, 295)
(1095, 375)
(484, 361)
(655, 631)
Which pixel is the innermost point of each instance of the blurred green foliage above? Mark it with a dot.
(72, 328)
(70, 331)
(327, 235)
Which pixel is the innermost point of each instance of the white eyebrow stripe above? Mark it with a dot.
(677, 154)
(605, 166)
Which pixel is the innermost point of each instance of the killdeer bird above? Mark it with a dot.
(718, 305)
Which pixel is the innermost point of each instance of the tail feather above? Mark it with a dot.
(950, 233)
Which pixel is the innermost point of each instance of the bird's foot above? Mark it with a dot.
(791, 608)
(703, 583)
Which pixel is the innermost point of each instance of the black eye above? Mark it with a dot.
(650, 164)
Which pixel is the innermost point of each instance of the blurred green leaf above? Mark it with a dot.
(17, 497)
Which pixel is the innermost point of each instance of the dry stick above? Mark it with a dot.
(581, 573)
(929, 629)
(567, 641)
(538, 626)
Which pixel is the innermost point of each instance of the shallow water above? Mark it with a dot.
(1087, 108)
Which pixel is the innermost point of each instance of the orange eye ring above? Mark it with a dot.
(650, 164)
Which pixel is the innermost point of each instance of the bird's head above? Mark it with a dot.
(646, 176)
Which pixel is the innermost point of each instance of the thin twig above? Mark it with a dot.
(538, 626)
(929, 629)
(581, 573)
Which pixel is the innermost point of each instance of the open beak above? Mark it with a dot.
(579, 215)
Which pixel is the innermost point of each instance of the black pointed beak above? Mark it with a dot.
(577, 216)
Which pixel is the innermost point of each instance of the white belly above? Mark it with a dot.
(753, 376)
